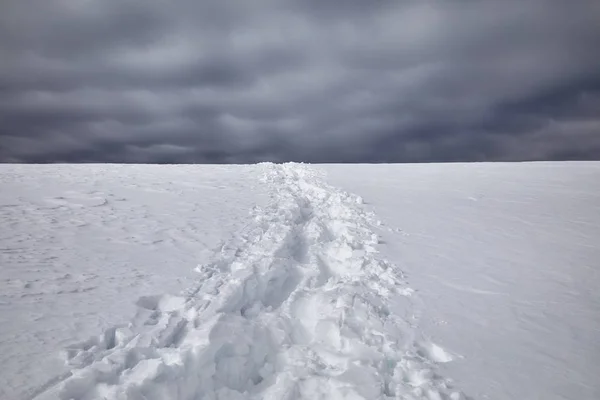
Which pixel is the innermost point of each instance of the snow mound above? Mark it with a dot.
(297, 305)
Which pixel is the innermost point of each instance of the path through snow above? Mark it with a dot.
(297, 305)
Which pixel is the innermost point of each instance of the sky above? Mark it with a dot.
(238, 81)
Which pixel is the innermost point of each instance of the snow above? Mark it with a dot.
(432, 281)
(506, 260)
(80, 244)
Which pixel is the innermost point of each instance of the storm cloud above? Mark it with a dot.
(234, 81)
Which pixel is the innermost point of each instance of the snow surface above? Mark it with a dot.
(448, 281)
(506, 260)
(80, 244)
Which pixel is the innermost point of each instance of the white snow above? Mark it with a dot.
(80, 244)
(439, 281)
(506, 261)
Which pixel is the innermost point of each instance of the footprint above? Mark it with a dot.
(163, 303)
(433, 352)
(77, 200)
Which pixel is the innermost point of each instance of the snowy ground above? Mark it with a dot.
(80, 244)
(390, 281)
(506, 259)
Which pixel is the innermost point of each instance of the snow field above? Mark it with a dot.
(298, 304)
(80, 244)
(505, 258)
(303, 296)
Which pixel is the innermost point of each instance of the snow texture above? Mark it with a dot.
(80, 244)
(296, 306)
(309, 296)
(506, 260)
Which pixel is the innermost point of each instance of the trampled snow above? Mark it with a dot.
(439, 281)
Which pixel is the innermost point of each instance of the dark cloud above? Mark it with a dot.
(232, 81)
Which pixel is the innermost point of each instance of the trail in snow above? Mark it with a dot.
(71, 268)
(296, 305)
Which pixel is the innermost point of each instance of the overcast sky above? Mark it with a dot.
(238, 81)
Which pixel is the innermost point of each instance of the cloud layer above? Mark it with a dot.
(236, 81)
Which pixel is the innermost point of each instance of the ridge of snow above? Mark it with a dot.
(297, 305)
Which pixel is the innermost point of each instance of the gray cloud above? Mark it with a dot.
(319, 81)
